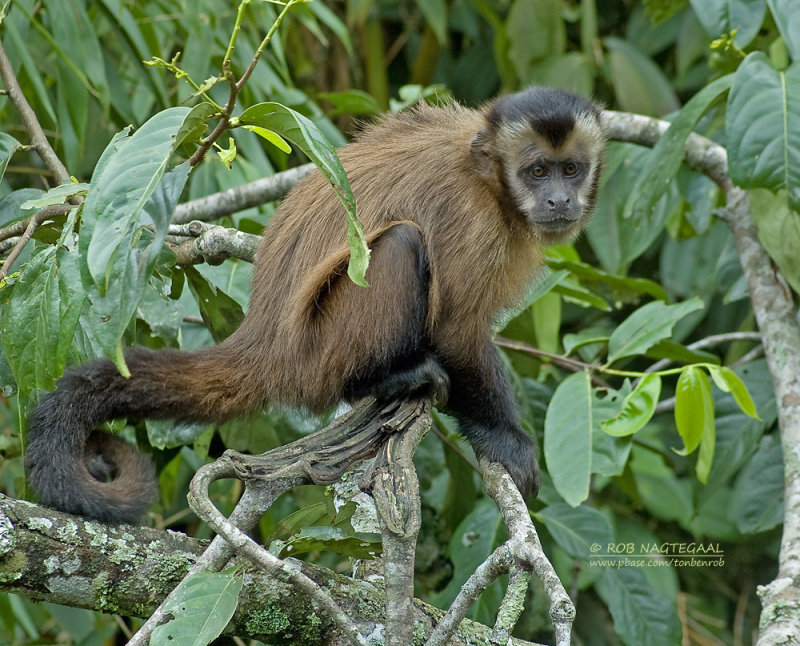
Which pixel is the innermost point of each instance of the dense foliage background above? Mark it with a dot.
(80, 64)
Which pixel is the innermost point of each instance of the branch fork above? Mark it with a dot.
(388, 434)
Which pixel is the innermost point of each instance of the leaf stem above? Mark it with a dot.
(236, 85)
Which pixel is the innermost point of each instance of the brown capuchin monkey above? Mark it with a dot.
(457, 205)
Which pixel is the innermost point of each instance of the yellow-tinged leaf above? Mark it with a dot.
(728, 381)
(272, 137)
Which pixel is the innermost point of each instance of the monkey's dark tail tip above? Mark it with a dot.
(82, 471)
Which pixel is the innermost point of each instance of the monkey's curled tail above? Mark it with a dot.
(78, 469)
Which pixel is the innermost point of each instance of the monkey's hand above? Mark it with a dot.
(514, 449)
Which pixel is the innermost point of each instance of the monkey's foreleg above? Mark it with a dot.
(482, 400)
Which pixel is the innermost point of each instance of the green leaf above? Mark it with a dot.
(779, 231)
(647, 326)
(435, 12)
(333, 539)
(56, 195)
(10, 206)
(8, 146)
(132, 188)
(305, 135)
(272, 137)
(679, 353)
(665, 159)
(351, 102)
(202, 606)
(637, 408)
(758, 492)
(332, 21)
(295, 522)
(641, 616)
(221, 314)
(787, 19)
(473, 541)
(194, 124)
(568, 438)
(728, 381)
(708, 442)
(639, 84)
(572, 71)
(694, 408)
(763, 127)
(615, 240)
(723, 16)
(535, 30)
(608, 285)
(577, 529)
(40, 313)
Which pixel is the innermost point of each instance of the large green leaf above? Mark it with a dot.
(11, 205)
(473, 541)
(641, 615)
(305, 135)
(758, 494)
(40, 312)
(124, 221)
(637, 408)
(647, 326)
(694, 411)
(535, 30)
(568, 438)
(763, 127)
(616, 240)
(662, 165)
(787, 18)
(221, 314)
(639, 84)
(723, 16)
(779, 231)
(607, 285)
(202, 606)
(579, 530)
(435, 12)
(8, 146)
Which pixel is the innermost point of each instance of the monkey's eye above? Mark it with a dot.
(571, 169)
(539, 171)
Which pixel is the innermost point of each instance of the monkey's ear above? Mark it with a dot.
(481, 151)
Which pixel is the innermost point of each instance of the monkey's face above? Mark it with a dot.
(552, 175)
(544, 150)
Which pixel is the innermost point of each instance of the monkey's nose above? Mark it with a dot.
(559, 206)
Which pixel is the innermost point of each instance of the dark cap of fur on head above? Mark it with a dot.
(549, 111)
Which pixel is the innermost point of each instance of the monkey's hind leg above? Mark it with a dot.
(379, 333)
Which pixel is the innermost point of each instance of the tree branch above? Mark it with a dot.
(776, 317)
(50, 556)
(211, 243)
(267, 189)
(29, 119)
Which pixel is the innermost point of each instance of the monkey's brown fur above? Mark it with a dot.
(451, 247)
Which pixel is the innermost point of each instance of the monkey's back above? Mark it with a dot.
(415, 166)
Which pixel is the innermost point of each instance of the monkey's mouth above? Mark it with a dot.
(555, 225)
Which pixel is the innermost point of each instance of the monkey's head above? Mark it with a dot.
(543, 149)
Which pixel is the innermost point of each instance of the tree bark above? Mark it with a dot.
(50, 556)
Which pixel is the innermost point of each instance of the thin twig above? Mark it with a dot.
(575, 365)
(33, 223)
(30, 120)
(235, 86)
(708, 342)
(261, 191)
